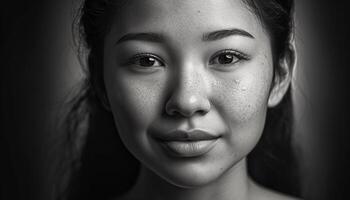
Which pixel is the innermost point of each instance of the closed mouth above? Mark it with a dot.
(192, 135)
(188, 143)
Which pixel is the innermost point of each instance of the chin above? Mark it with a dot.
(190, 181)
(191, 175)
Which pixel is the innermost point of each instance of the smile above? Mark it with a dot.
(188, 143)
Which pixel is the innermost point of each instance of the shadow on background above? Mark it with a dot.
(38, 67)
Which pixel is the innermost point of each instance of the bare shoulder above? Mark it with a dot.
(263, 193)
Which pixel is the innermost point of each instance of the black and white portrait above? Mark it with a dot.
(173, 99)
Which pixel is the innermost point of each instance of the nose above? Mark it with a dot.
(189, 96)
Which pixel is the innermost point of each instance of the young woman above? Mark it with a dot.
(199, 92)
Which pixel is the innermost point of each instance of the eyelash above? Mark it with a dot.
(239, 55)
(136, 58)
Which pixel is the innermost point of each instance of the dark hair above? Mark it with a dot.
(271, 163)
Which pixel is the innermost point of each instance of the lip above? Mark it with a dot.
(191, 135)
(193, 143)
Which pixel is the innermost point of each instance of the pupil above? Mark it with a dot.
(225, 59)
(147, 61)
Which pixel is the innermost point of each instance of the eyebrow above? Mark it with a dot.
(220, 34)
(159, 38)
(150, 37)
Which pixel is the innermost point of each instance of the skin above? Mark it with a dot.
(187, 86)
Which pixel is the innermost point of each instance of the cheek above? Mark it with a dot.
(135, 102)
(245, 95)
(251, 96)
(243, 99)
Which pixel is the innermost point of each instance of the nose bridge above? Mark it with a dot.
(190, 92)
(190, 81)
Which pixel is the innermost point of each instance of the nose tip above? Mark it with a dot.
(187, 105)
(189, 91)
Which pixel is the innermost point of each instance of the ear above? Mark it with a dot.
(283, 76)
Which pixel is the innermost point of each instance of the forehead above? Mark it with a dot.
(183, 18)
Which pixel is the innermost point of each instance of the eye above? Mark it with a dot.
(227, 57)
(146, 60)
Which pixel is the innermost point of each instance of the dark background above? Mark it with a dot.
(38, 67)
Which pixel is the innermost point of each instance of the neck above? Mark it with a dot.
(233, 184)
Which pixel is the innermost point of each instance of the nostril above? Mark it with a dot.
(176, 113)
(187, 108)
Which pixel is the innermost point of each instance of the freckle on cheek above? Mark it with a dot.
(249, 102)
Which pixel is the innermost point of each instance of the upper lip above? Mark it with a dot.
(190, 135)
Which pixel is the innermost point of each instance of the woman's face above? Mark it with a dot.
(188, 83)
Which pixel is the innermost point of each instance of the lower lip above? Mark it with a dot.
(189, 148)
